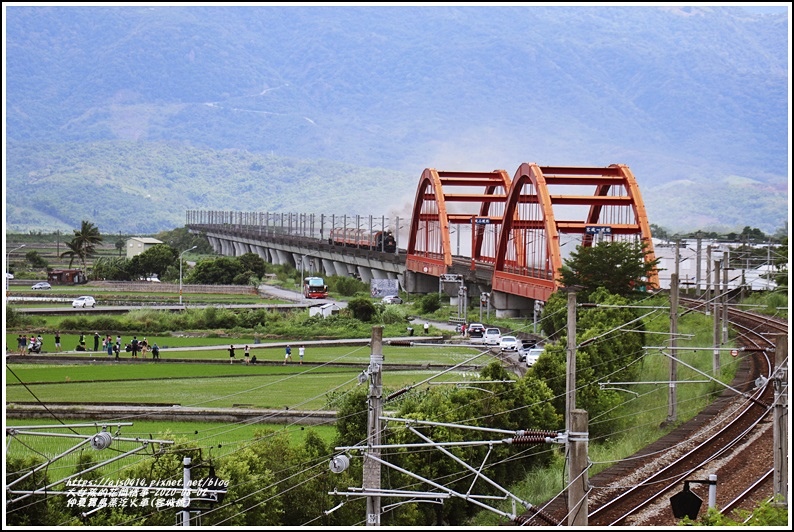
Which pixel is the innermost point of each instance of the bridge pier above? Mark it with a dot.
(262, 251)
(342, 269)
(281, 257)
(510, 305)
(240, 248)
(419, 283)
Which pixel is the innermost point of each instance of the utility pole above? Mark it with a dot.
(577, 473)
(716, 361)
(780, 415)
(672, 399)
(371, 481)
(570, 381)
(186, 490)
(708, 280)
(697, 265)
(725, 269)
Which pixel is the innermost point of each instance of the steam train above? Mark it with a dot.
(362, 238)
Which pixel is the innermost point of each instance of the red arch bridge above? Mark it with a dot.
(472, 234)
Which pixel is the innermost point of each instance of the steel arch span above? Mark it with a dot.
(445, 199)
(550, 207)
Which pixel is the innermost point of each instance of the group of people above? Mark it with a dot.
(33, 344)
(246, 356)
(27, 345)
(248, 359)
(139, 346)
(288, 354)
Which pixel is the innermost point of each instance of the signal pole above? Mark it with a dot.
(780, 478)
(575, 427)
(717, 334)
(672, 399)
(570, 380)
(371, 481)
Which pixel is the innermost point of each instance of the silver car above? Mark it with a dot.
(41, 286)
(83, 302)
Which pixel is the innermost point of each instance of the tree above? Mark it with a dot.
(612, 357)
(221, 270)
(156, 260)
(120, 245)
(362, 308)
(620, 267)
(253, 263)
(73, 252)
(35, 260)
(84, 242)
(182, 239)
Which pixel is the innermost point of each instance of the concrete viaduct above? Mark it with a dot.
(475, 234)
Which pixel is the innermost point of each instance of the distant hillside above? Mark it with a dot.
(333, 109)
(138, 187)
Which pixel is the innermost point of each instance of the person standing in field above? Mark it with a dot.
(231, 354)
(58, 340)
(247, 355)
(96, 341)
(109, 345)
(134, 345)
(287, 355)
(301, 352)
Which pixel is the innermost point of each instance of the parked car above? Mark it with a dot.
(532, 355)
(492, 336)
(523, 348)
(83, 302)
(476, 332)
(508, 343)
(41, 286)
(392, 300)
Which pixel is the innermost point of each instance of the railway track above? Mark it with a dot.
(732, 438)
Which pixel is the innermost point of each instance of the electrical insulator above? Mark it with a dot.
(101, 440)
(339, 463)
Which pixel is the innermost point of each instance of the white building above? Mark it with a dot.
(324, 310)
(689, 275)
(138, 244)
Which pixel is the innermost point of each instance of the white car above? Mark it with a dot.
(83, 302)
(392, 300)
(492, 336)
(508, 343)
(532, 355)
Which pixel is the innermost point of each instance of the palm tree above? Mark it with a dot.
(85, 241)
(73, 252)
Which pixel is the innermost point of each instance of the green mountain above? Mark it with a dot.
(129, 115)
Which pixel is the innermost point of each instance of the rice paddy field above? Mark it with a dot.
(205, 379)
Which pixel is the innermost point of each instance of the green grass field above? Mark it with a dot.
(294, 387)
(219, 438)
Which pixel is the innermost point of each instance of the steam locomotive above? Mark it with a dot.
(362, 238)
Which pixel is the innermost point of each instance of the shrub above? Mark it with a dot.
(346, 286)
(430, 303)
(362, 308)
(392, 314)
